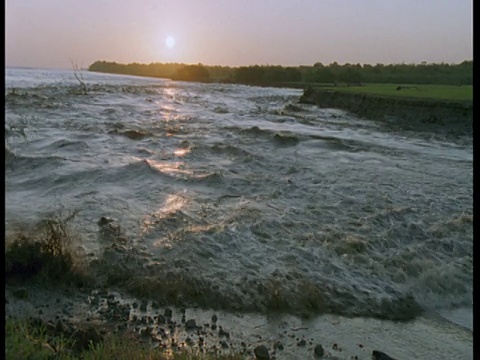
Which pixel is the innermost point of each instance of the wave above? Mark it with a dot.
(132, 134)
(272, 206)
(31, 164)
(173, 278)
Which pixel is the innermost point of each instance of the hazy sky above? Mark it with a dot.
(52, 33)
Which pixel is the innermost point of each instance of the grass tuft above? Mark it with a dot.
(31, 340)
(45, 253)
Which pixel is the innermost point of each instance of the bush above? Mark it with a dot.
(48, 253)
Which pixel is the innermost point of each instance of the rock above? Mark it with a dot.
(161, 319)
(224, 344)
(302, 343)
(190, 324)
(278, 345)
(110, 232)
(222, 332)
(143, 306)
(214, 319)
(378, 355)
(21, 293)
(168, 313)
(318, 351)
(261, 352)
(104, 220)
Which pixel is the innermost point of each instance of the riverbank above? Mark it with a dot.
(447, 117)
(79, 307)
(99, 312)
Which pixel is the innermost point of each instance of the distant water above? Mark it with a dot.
(262, 203)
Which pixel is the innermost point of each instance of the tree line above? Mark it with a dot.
(423, 73)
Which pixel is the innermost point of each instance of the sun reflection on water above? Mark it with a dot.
(181, 152)
(169, 168)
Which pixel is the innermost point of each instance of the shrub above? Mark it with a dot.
(48, 253)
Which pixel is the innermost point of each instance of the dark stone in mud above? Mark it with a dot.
(214, 319)
(222, 332)
(378, 355)
(214, 327)
(190, 324)
(21, 293)
(278, 346)
(104, 221)
(155, 305)
(168, 313)
(261, 352)
(143, 307)
(224, 344)
(302, 343)
(318, 351)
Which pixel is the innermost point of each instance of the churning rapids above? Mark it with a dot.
(243, 198)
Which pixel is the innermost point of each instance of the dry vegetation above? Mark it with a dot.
(46, 255)
(29, 340)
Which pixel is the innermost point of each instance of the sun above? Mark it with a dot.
(170, 42)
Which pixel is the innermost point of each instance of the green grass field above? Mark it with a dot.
(437, 92)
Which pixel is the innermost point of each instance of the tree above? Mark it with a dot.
(192, 73)
(79, 77)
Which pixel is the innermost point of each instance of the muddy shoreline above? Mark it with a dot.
(453, 118)
(90, 314)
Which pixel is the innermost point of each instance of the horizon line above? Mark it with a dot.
(238, 66)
